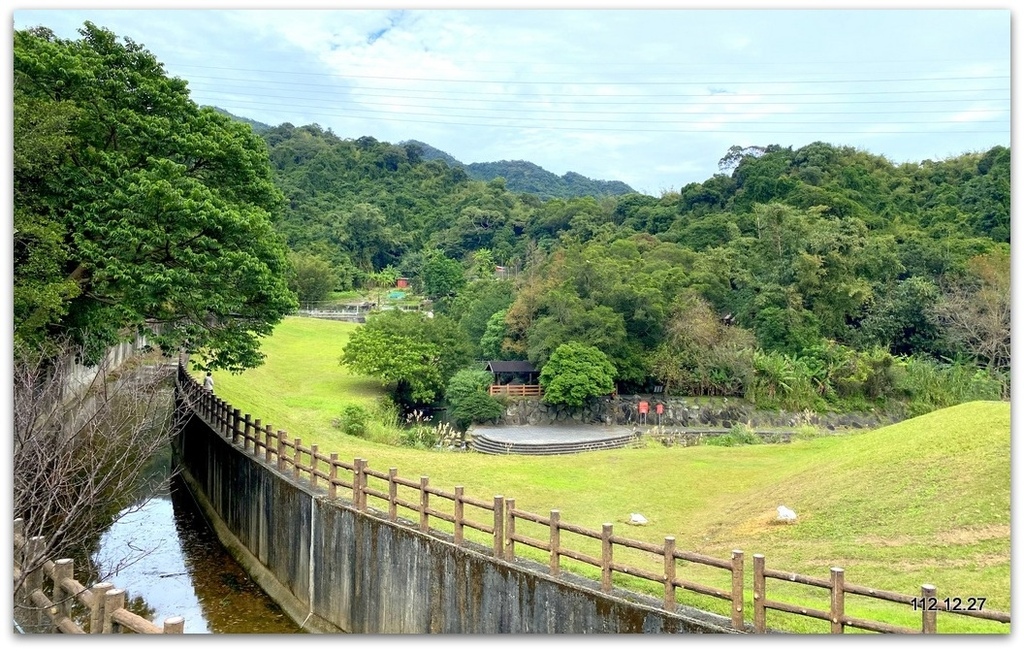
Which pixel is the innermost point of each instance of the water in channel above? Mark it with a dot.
(169, 561)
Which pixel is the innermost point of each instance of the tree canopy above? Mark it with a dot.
(137, 211)
(576, 373)
(412, 354)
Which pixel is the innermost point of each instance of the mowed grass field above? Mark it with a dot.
(923, 501)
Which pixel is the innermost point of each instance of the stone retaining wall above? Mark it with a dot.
(699, 413)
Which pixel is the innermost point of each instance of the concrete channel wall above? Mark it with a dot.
(335, 570)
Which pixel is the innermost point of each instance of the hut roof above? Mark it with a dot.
(514, 366)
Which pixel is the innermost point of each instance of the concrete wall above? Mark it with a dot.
(333, 569)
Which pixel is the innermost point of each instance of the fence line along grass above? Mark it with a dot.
(924, 501)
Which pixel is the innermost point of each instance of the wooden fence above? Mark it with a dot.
(515, 390)
(927, 603)
(52, 613)
(383, 494)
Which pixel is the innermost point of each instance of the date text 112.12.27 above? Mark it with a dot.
(948, 603)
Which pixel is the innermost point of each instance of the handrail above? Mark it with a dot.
(105, 603)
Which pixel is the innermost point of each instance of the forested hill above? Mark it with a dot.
(524, 176)
(803, 278)
(258, 127)
(823, 259)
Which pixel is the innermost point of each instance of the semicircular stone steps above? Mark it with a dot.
(481, 443)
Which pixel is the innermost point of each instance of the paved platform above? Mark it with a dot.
(544, 434)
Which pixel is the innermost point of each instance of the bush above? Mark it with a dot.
(468, 399)
(928, 385)
(739, 434)
(354, 420)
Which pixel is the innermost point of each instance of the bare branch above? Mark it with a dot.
(82, 441)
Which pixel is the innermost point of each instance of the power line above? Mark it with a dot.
(707, 128)
(930, 80)
(577, 109)
(647, 119)
(483, 97)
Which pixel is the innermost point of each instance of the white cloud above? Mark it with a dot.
(631, 94)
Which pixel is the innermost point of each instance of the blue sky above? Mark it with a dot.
(652, 97)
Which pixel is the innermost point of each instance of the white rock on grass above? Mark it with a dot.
(786, 514)
(636, 518)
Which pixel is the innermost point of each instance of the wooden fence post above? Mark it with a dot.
(606, 557)
(218, 417)
(268, 450)
(499, 525)
(357, 483)
(247, 432)
(174, 625)
(332, 489)
(34, 580)
(62, 569)
(759, 611)
(281, 451)
(99, 594)
(460, 509)
(424, 504)
(312, 464)
(113, 601)
(256, 437)
(838, 604)
(236, 418)
(510, 529)
(670, 574)
(392, 494)
(737, 590)
(297, 459)
(928, 610)
(554, 538)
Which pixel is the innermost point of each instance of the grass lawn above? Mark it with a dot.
(923, 501)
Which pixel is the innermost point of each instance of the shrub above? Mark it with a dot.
(928, 385)
(739, 434)
(468, 399)
(354, 420)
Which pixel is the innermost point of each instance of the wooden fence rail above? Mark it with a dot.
(52, 612)
(515, 390)
(928, 604)
(414, 502)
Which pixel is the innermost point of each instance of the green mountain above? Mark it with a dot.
(526, 177)
(258, 127)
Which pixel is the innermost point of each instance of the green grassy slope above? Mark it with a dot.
(923, 501)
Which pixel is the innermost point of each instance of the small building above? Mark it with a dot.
(514, 377)
(402, 283)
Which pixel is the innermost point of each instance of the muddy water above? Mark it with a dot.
(170, 562)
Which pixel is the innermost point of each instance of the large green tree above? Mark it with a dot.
(312, 277)
(414, 355)
(575, 374)
(136, 210)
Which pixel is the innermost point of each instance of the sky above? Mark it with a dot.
(653, 97)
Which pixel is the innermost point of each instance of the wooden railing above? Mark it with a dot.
(413, 503)
(515, 390)
(52, 613)
(928, 604)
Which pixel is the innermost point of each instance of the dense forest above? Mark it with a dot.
(818, 277)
